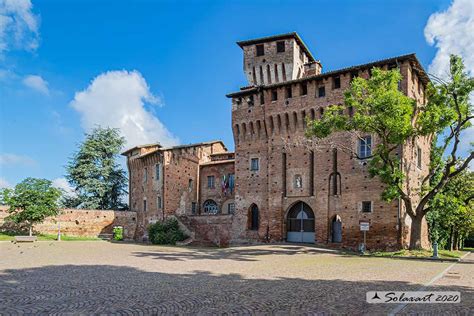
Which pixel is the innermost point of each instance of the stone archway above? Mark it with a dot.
(300, 223)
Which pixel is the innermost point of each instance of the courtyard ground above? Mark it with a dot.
(104, 278)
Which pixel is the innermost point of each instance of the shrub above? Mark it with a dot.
(167, 232)
(118, 233)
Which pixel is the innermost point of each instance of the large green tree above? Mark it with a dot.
(382, 110)
(31, 201)
(93, 171)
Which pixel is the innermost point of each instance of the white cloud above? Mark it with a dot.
(4, 184)
(452, 32)
(12, 159)
(63, 184)
(36, 83)
(18, 26)
(117, 99)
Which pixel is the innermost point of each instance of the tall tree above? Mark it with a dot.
(99, 180)
(31, 201)
(382, 110)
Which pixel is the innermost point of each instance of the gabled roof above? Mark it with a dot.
(411, 57)
(293, 35)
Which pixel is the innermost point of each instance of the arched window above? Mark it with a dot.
(253, 217)
(336, 229)
(210, 207)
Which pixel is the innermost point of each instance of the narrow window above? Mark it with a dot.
(365, 147)
(193, 208)
(254, 75)
(254, 164)
(304, 89)
(289, 92)
(262, 98)
(254, 217)
(260, 50)
(261, 75)
(276, 73)
(158, 202)
(145, 175)
(280, 47)
(418, 156)
(366, 206)
(269, 75)
(274, 95)
(210, 182)
(336, 82)
(283, 72)
(321, 113)
(157, 171)
(190, 184)
(231, 208)
(144, 206)
(321, 92)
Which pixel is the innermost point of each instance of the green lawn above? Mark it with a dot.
(443, 254)
(47, 237)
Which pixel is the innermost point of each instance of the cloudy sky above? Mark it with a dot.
(159, 70)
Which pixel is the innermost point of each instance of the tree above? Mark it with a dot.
(382, 110)
(31, 201)
(93, 170)
(451, 217)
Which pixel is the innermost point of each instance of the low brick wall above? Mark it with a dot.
(85, 223)
(209, 230)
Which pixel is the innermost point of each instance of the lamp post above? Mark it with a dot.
(59, 231)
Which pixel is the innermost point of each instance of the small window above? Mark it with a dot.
(321, 112)
(145, 175)
(365, 147)
(157, 172)
(254, 217)
(210, 182)
(274, 95)
(336, 82)
(354, 74)
(321, 92)
(144, 206)
(231, 208)
(158, 202)
(250, 100)
(190, 184)
(304, 89)
(254, 164)
(210, 207)
(193, 208)
(366, 206)
(298, 183)
(280, 46)
(418, 156)
(289, 92)
(260, 50)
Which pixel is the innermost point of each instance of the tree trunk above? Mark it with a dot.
(456, 240)
(31, 230)
(415, 232)
(451, 239)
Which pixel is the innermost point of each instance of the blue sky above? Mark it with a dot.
(165, 66)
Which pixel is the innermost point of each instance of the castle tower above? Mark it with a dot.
(277, 59)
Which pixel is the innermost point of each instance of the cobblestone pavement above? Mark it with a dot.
(110, 278)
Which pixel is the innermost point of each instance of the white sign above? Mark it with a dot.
(364, 226)
(375, 297)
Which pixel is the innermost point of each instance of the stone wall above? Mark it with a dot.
(209, 230)
(85, 223)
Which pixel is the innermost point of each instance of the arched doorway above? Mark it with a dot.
(336, 229)
(300, 223)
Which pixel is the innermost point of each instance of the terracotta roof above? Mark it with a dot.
(141, 146)
(217, 162)
(412, 57)
(176, 147)
(276, 38)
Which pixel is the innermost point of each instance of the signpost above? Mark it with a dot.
(364, 227)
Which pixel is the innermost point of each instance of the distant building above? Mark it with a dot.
(282, 189)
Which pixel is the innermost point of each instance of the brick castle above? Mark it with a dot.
(278, 186)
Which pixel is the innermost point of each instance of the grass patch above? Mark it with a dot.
(4, 236)
(443, 254)
(468, 249)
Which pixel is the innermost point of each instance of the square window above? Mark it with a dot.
(321, 92)
(289, 92)
(210, 182)
(336, 82)
(274, 95)
(260, 50)
(365, 147)
(366, 206)
(280, 46)
(254, 164)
